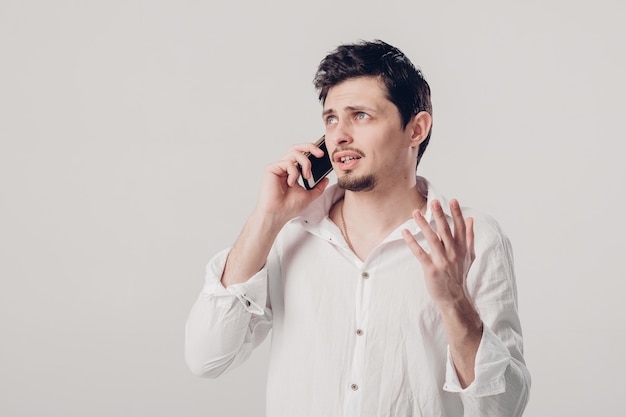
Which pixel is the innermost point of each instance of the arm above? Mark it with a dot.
(445, 273)
(502, 383)
(232, 315)
(489, 373)
(281, 199)
(226, 324)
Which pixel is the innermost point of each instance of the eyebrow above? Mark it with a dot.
(349, 108)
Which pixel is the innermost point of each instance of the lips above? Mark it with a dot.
(346, 159)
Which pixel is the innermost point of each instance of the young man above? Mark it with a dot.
(384, 298)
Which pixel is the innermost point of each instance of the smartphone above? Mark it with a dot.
(320, 167)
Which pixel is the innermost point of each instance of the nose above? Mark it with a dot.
(341, 134)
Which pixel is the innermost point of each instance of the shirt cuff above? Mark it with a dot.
(492, 360)
(252, 294)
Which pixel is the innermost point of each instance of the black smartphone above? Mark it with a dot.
(320, 167)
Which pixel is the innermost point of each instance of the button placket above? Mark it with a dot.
(363, 293)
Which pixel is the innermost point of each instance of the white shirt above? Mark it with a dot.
(362, 338)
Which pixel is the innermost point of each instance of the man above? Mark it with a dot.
(384, 298)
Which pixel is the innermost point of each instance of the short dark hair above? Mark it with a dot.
(406, 87)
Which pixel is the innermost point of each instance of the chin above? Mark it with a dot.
(351, 183)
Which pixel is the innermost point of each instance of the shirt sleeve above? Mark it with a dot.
(252, 294)
(492, 359)
(226, 324)
(502, 382)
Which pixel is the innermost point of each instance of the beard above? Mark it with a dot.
(351, 183)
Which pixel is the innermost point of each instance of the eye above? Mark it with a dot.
(331, 120)
(361, 116)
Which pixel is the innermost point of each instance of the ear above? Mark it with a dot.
(419, 126)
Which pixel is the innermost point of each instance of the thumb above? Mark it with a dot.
(319, 188)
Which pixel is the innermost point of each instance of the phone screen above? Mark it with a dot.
(320, 167)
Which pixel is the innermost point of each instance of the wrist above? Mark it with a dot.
(266, 221)
(461, 317)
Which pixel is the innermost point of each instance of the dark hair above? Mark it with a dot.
(405, 84)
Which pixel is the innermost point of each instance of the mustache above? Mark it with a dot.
(348, 148)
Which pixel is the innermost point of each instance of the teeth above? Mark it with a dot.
(347, 158)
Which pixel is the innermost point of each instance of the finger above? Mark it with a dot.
(295, 164)
(308, 147)
(459, 222)
(299, 154)
(286, 169)
(469, 231)
(415, 247)
(293, 172)
(318, 152)
(296, 156)
(302, 161)
(431, 237)
(443, 228)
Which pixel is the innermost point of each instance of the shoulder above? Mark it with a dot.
(489, 237)
(484, 223)
(486, 227)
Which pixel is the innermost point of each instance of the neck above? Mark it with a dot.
(367, 218)
(382, 208)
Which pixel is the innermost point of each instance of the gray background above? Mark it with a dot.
(133, 134)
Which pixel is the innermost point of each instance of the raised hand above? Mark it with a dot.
(451, 253)
(445, 274)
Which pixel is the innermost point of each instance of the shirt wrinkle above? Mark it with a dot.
(356, 338)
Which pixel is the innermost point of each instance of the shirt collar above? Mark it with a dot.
(426, 189)
(319, 208)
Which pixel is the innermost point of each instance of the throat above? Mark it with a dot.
(361, 240)
(365, 221)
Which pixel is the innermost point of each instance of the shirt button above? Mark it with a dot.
(354, 387)
(359, 332)
(247, 303)
(365, 275)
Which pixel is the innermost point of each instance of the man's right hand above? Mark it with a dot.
(281, 197)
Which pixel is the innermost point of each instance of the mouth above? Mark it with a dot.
(347, 159)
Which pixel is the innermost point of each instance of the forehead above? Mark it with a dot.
(352, 92)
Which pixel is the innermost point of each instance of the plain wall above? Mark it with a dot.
(133, 135)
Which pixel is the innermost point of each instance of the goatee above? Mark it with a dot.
(351, 183)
